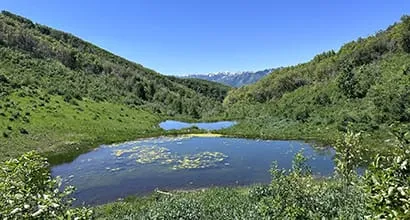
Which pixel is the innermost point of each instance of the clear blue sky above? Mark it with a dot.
(195, 36)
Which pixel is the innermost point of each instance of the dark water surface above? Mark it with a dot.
(171, 124)
(101, 176)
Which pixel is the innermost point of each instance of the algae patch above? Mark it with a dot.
(200, 161)
(163, 156)
(154, 154)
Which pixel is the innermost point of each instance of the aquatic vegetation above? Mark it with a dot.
(148, 154)
(139, 149)
(153, 154)
(200, 160)
(119, 153)
(163, 156)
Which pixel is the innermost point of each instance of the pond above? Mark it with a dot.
(171, 124)
(139, 167)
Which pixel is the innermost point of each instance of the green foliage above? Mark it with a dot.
(216, 203)
(27, 191)
(392, 101)
(405, 37)
(295, 194)
(349, 84)
(348, 156)
(387, 181)
(206, 88)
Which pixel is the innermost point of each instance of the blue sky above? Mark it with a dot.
(195, 36)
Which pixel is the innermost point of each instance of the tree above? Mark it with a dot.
(405, 38)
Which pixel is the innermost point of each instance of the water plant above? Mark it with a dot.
(154, 154)
(163, 156)
(200, 161)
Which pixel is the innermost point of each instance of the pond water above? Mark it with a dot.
(171, 124)
(139, 167)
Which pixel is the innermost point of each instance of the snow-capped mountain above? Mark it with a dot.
(235, 79)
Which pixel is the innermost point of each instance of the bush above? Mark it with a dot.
(6, 134)
(387, 181)
(23, 131)
(295, 194)
(348, 155)
(4, 79)
(27, 191)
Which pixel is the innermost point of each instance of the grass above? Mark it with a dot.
(54, 127)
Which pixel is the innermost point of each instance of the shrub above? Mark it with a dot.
(23, 131)
(387, 181)
(27, 191)
(6, 134)
(295, 194)
(348, 155)
(4, 79)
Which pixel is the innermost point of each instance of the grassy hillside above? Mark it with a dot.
(366, 83)
(52, 126)
(61, 95)
(34, 56)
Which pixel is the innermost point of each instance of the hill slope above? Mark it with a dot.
(366, 83)
(38, 57)
(60, 94)
(233, 79)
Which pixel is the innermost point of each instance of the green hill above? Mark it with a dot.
(58, 92)
(366, 83)
(38, 57)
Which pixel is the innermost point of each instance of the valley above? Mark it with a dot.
(141, 145)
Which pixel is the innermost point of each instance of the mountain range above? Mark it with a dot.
(234, 79)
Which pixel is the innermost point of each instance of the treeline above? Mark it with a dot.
(34, 56)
